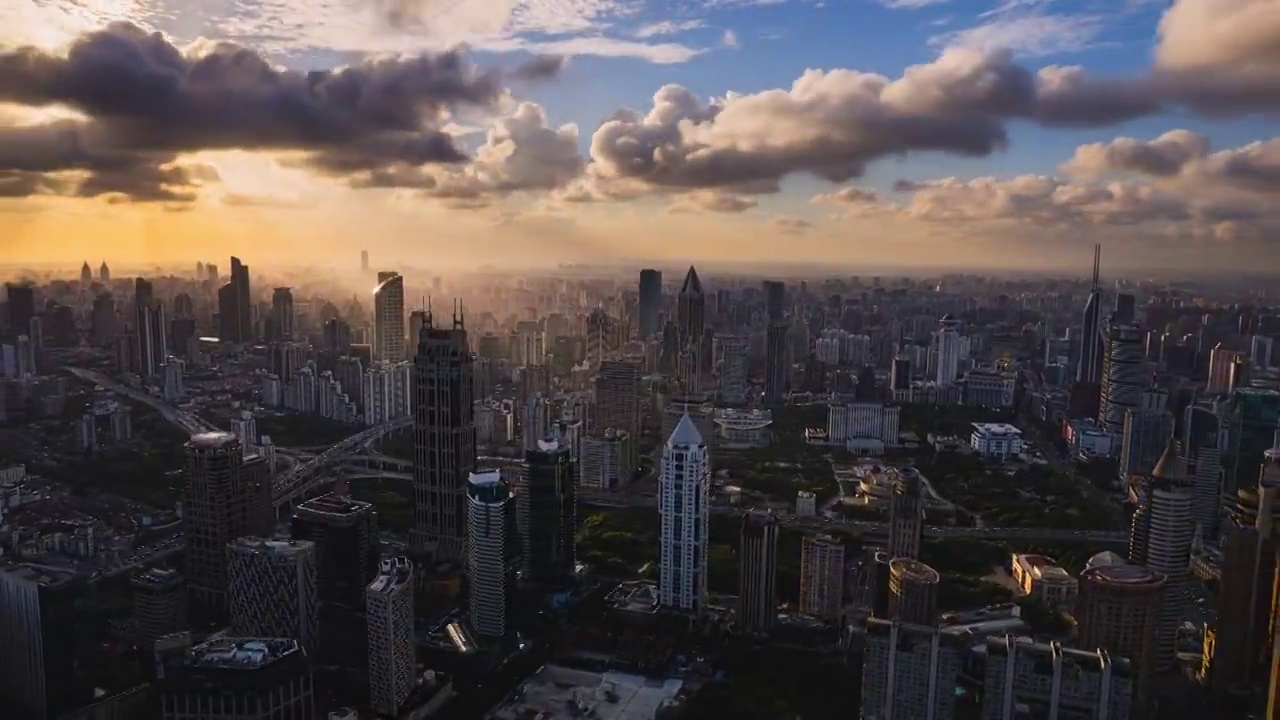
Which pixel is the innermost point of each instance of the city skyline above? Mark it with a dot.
(1000, 135)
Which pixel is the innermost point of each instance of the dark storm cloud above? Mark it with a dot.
(541, 67)
(147, 99)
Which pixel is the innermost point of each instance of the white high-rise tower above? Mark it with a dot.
(682, 500)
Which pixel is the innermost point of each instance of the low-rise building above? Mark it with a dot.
(996, 440)
(1041, 578)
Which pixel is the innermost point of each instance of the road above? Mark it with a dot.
(185, 420)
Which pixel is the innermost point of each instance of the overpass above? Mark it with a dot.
(189, 422)
(306, 476)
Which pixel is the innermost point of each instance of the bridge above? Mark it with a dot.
(189, 422)
(304, 477)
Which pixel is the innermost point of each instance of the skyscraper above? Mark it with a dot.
(37, 640)
(345, 535)
(618, 404)
(683, 489)
(282, 313)
(389, 613)
(650, 306)
(946, 347)
(757, 574)
(152, 331)
(243, 302)
(490, 541)
(906, 515)
(272, 589)
(691, 309)
(214, 512)
(159, 606)
(1145, 435)
(86, 274)
(913, 592)
(364, 261)
(775, 300)
(1160, 540)
(22, 306)
(1123, 376)
(444, 439)
(547, 509)
(104, 273)
(1090, 367)
(239, 679)
(777, 365)
(228, 314)
(1118, 611)
(733, 370)
(388, 318)
(821, 576)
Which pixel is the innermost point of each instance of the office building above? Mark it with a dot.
(238, 678)
(691, 309)
(617, 392)
(1118, 611)
(1222, 369)
(535, 421)
(272, 589)
(864, 428)
(650, 305)
(996, 441)
(345, 535)
(1089, 369)
(777, 366)
(947, 350)
(1124, 376)
(821, 576)
(733, 370)
(913, 592)
(1161, 539)
(683, 499)
(392, 655)
(1146, 434)
(159, 606)
(1065, 683)
(757, 573)
(606, 460)
(22, 305)
(1041, 578)
(906, 514)
(911, 672)
(282, 313)
(490, 541)
(444, 439)
(37, 640)
(1201, 443)
(1252, 419)
(388, 318)
(386, 392)
(775, 300)
(215, 502)
(547, 509)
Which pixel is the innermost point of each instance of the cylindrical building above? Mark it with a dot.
(913, 592)
(906, 514)
(489, 524)
(1117, 611)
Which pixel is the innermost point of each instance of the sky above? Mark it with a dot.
(939, 134)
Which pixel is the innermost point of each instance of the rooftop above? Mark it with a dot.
(556, 692)
(634, 596)
(158, 577)
(240, 653)
(216, 440)
(272, 547)
(334, 505)
(914, 569)
(1127, 575)
(485, 478)
(42, 575)
(996, 429)
(686, 433)
(1041, 567)
(394, 573)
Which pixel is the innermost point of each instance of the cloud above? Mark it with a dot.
(1243, 35)
(666, 27)
(145, 101)
(1186, 158)
(541, 67)
(911, 4)
(792, 225)
(729, 40)
(847, 195)
(712, 201)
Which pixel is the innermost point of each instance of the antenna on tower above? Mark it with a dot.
(427, 306)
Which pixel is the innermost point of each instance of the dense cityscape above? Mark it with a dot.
(683, 496)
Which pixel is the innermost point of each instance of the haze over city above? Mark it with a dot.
(887, 133)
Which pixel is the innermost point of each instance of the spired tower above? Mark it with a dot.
(444, 439)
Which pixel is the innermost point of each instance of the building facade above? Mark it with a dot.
(683, 498)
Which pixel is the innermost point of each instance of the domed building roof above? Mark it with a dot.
(1106, 558)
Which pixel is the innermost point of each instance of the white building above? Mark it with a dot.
(389, 613)
(386, 392)
(683, 487)
(948, 350)
(1041, 578)
(388, 319)
(174, 369)
(996, 440)
(865, 428)
(490, 520)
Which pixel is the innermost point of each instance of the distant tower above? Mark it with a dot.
(490, 541)
(757, 576)
(104, 273)
(86, 274)
(364, 261)
(691, 308)
(548, 513)
(444, 440)
(388, 318)
(777, 364)
(650, 305)
(282, 312)
(389, 613)
(683, 487)
(1123, 376)
(821, 576)
(345, 533)
(214, 512)
(906, 515)
(1090, 367)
